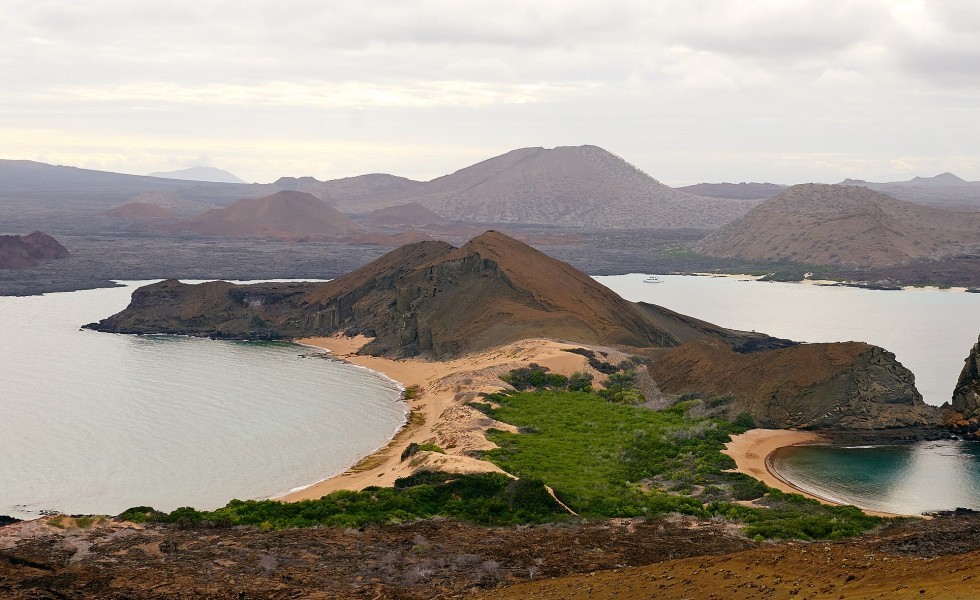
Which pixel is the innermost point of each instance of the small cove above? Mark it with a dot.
(930, 331)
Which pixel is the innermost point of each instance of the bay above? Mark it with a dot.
(97, 423)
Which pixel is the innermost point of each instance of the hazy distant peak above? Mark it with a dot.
(199, 173)
(946, 178)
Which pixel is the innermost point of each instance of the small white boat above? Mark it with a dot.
(653, 279)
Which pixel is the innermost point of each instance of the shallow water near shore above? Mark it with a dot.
(926, 476)
(930, 331)
(97, 423)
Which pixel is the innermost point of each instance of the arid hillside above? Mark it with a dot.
(844, 225)
(283, 215)
(575, 186)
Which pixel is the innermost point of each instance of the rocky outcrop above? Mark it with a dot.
(963, 416)
(849, 385)
(23, 251)
(426, 298)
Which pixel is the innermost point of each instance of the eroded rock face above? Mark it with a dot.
(966, 395)
(963, 416)
(849, 385)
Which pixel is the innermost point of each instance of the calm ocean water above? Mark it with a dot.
(930, 332)
(96, 423)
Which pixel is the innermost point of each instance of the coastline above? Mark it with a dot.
(752, 450)
(438, 413)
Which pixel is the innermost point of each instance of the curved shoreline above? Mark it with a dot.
(753, 450)
(437, 410)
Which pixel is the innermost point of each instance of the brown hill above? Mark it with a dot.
(844, 225)
(141, 211)
(581, 186)
(425, 298)
(790, 387)
(435, 300)
(23, 251)
(403, 215)
(736, 191)
(285, 215)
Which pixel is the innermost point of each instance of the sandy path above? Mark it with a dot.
(752, 449)
(439, 413)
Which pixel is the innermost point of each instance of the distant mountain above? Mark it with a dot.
(141, 211)
(844, 225)
(41, 184)
(735, 191)
(23, 251)
(581, 186)
(944, 190)
(199, 173)
(403, 215)
(353, 195)
(284, 215)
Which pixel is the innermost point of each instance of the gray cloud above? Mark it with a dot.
(263, 84)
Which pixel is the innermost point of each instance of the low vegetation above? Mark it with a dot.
(484, 499)
(606, 459)
(602, 456)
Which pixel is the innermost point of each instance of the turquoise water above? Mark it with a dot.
(926, 476)
(930, 332)
(96, 423)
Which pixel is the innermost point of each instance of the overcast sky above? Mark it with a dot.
(688, 90)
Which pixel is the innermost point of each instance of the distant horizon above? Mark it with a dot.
(672, 184)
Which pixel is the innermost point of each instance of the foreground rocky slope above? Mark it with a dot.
(850, 385)
(844, 225)
(23, 251)
(626, 558)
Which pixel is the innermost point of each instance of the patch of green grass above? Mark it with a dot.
(613, 460)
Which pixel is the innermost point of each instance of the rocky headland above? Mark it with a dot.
(963, 416)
